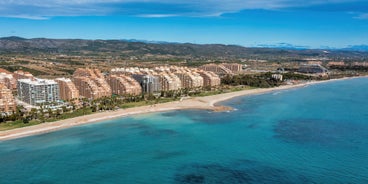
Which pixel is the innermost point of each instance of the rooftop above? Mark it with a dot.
(37, 81)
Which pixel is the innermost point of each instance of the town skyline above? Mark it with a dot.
(307, 24)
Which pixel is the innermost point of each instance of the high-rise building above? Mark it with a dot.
(190, 79)
(88, 88)
(38, 91)
(7, 101)
(91, 83)
(68, 91)
(169, 81)
(149, 83)
(124, 85)
(209, 78)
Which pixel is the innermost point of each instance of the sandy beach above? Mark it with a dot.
(205, 103)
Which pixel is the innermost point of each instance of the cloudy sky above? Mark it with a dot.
(310, 23)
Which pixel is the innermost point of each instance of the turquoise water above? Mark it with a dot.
(315, 134)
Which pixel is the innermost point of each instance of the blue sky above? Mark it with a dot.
(310, 23)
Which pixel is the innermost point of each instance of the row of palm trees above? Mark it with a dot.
(77, 107)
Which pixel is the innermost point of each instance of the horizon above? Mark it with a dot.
(312, 24)
(362, 47)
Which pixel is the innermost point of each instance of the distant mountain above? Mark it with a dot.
(362, 48)
(283, 46)
(166, 50)
(13, 38)
(149, 41)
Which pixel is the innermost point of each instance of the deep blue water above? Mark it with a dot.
(315, 134)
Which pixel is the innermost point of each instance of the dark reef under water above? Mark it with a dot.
(243, 171)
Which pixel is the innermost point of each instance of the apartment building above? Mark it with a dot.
(7, 101)
(91, 83)
(124, 85)
(68, 91)
(210, 79)
(149, 83)
(169, 81)
(88, 88)
(38, 91)
(190, 79)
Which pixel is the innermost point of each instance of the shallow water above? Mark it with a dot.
(316, 134)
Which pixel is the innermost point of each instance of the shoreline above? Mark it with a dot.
(201, 103)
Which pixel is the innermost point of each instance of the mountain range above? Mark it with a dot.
(141, 48)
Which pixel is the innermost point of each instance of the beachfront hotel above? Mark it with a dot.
(91, 83)
(166, 78)
(7, 101)
(149, 83)
(38, 91)
(87, 88)
(210, 79)
(190, 79)
(169, 81)
(148, 79)
(68, 91)
(124, 85)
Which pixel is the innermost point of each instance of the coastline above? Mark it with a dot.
(203, 103)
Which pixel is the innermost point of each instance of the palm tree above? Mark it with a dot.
(33, 113)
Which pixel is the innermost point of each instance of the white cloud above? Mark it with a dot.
(362, 16)
(49, 8)
(157, 15)
(28, 17)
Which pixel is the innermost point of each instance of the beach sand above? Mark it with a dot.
(205, 103)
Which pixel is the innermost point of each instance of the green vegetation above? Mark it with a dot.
(171, 52)
(262, 80)
(231, 83)
(15, 68)
(350, 68)
(297, 76)
(17, 124)
(37, 116)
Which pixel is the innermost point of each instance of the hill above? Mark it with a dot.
(130, 48)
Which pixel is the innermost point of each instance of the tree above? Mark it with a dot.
(33, 113)
(25, 120)
(49, 112)
(1, 118)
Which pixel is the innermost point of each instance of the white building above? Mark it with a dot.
(278, 77)
(38, 91)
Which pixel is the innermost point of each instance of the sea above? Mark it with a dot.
(313, 134)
